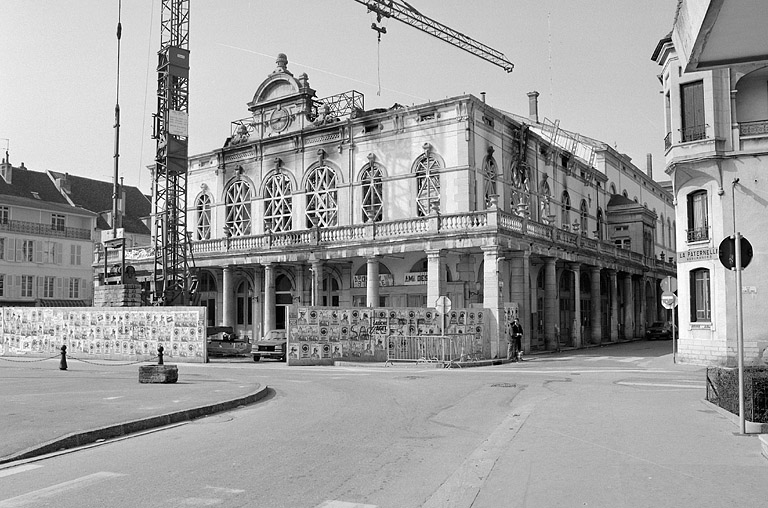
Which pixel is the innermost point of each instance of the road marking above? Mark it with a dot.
(113, 398)
(660, 385)
(18, 469)
(37, 496)
(344, 504)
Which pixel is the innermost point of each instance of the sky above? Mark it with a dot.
(588, 59)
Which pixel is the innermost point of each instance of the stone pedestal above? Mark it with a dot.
(158, 373)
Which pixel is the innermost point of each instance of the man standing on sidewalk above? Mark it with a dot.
(515, 341)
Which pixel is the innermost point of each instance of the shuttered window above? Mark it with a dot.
(694, 124)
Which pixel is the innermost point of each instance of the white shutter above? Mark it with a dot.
(19, 252)
(40, 282)
(16, 286)
(37, 251)
(66, 287)
(58, 291)
(57, 252)
(10, 249)
(84, 289)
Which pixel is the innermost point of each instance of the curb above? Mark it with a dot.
(749, 427)
(76, 439)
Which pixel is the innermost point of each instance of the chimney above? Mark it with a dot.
(6, 169)
(533, 106)
(482, 94)
(649, 165)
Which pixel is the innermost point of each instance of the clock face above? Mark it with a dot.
(279, 120)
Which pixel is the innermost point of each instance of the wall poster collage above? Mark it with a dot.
(321, 335)
(105, 333)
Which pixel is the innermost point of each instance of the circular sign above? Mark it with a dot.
(669, 301)
(669, 284)
(727, 252)
(443, 305)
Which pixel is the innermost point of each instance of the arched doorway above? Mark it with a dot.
(567, 307)
(586, 308)
(283, 300)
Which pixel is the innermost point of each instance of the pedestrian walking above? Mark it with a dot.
(515, 351)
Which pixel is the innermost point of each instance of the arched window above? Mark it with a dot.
(599, 224)
(546, 197)
(565, 210)
(237, 201)
(583, 216)
(489, 180)
(613, 189)
(370, 178)
(278, 203)
(322, 204)
(427, 184)
(203, 219)
(624, 193)
(670, 232)
(700, 300)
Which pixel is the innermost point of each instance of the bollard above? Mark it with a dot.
(63, 362)
(160, 355)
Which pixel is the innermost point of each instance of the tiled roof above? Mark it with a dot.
(31, 185)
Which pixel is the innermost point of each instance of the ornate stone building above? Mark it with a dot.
(322, 202)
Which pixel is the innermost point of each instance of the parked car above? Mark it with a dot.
(222, 341)
(659, 330)
(271, 346)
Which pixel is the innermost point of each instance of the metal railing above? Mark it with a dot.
(697, 234)
(694, 133)
(36, 228)
(759, 128)
(434, 348)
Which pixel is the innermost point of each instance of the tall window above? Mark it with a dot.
(370, 179)
(700, 302)
(322, 204)
(203, 210)
(698, 222)
(278, 204)
(565, 210)
(48, 285)
(692, 99)
(599, 224)
(76, 255)
(2, 284)
(4, 215)
(74, 288)
(238, 206)
(583, 216)
(57, 222)
(26, 286)
(2, 248)
(427, 184)
(27, 251)
(489, 180)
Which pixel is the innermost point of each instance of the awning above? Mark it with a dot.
(62, 303)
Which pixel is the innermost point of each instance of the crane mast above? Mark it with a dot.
(172, 275)
(407, 14)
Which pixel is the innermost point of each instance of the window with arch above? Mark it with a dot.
(565, 210)
(203, 219)
(670, 231)
(698, 216)
(700, 296)
(278, 203)
(663, 232)
(599, 230)
(489, 180)
(613, 189)
(237, 202)
(322, 197)
(427, 184)
(584, 217)
(546, 197)
(625, 194)
(373, 201)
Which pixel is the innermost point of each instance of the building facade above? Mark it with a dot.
(46, 244)
(715, 89)
(322, 202)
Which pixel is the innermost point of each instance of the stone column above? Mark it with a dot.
(576, 327)
(614, 305)
(491, 297)
(228, 297)
(597, 309)
(372, 282)
(629, 308)
(258, 302)
(643, 308)
(435, 281)
(520, 292)
(269, 299)
(735, 133)
(317, 282)
(550, 305)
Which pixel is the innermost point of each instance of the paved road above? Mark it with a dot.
(615, 426)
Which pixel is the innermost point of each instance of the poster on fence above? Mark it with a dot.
(104, 333)
(322, 335)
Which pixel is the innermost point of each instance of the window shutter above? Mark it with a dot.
(66, 287)
(83, 289)
(58, 291)
(16, 286)
(40, 282)
(58, 249)
(19, 251)
(37, 251)
(10, 249)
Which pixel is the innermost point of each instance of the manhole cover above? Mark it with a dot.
(503, 385)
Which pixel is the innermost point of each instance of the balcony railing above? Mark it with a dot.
(753, 128)
(475, 223)
(36, 228)
(698, 234)
(694, 133)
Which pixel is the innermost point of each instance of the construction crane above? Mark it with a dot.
(173, 276)
(405, 13)
(172, 281)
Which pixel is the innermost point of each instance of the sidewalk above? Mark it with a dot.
(47, 409)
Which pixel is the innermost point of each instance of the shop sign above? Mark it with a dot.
(697, 255)
(415, 278)
(361, 281)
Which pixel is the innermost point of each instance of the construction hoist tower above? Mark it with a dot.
(172, 280)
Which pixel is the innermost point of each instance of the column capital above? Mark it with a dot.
(433, 253)
(576, 267)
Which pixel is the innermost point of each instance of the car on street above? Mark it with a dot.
(659, 330)
(272, 345)
(222, 341)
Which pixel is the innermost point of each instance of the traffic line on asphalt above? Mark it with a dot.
(344, 504)
(658, 385)
(18, 469)
(38, 496)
